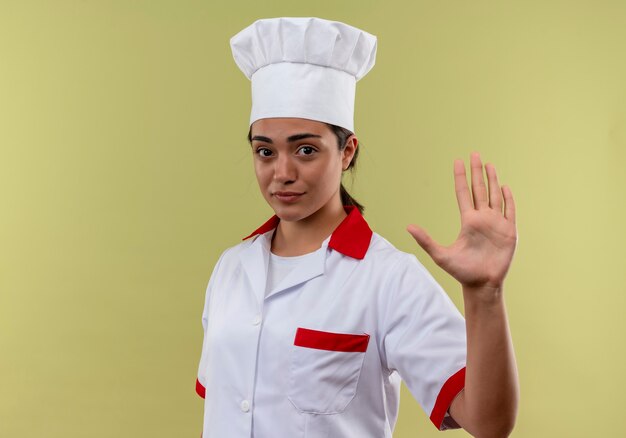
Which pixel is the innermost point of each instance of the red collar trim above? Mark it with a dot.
(351, 237)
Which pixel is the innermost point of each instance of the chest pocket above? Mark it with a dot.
(324, 370)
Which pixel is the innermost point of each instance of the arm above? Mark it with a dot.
(487, 407)
(479, 259)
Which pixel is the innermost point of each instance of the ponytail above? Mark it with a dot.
(346, 199)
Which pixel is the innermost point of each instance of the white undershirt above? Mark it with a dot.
(279, 267)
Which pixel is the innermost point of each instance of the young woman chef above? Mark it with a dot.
(311, 322)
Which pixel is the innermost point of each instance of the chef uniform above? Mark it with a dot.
(317, 345)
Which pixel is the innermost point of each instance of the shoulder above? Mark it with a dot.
(381, 251)
(229, 257)
(400, 266)
(231, 254)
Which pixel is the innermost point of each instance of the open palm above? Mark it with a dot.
(483, 251)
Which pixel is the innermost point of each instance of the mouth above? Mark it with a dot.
(287, 197)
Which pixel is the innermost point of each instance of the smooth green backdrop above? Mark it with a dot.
(125, 172)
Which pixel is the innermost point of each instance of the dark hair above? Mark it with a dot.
(342, 135)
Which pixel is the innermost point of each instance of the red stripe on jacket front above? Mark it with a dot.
(331, 341)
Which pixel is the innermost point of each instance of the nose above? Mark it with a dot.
(285, 169)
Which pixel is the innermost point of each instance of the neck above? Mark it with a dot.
(306, 235)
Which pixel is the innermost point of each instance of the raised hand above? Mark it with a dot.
(482, 253)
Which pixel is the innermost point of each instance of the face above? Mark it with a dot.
(298, 165)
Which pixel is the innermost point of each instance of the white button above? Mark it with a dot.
(256, 320)
(245, 406)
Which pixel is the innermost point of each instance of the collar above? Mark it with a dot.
(351, 237)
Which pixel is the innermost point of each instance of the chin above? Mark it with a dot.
(291, 213)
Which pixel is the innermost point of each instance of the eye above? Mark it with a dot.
(308, 150)
(263, 152)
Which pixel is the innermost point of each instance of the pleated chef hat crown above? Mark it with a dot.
(304, 67)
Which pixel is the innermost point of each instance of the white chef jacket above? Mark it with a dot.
(324, 352)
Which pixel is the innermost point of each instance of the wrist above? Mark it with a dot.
(483, 295)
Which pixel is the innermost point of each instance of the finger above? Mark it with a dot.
(479, 190)
(509, 204)
(425, 241)
(495, 194)
(463, 197)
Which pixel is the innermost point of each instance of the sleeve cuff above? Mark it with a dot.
(448, 391)
(200, 388)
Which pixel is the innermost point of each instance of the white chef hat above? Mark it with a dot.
(304, 67)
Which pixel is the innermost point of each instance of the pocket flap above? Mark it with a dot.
(321, 340)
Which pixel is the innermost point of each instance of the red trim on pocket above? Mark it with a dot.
(448, 391)
(200, 389)
(331, 341)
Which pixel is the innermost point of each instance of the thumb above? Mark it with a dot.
(424, 240)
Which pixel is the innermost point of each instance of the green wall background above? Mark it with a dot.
(124, 172)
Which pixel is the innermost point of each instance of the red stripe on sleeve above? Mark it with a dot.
(448, 391)
(331, 341)
(200, 389)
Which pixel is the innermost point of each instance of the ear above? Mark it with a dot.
(348, 152)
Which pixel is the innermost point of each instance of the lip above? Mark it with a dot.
(288, 196)
(287, 193)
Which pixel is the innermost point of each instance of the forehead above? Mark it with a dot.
(281, 127)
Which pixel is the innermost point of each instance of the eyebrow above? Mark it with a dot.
(290, 139)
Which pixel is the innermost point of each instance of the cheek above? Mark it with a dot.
(261, 174)
(327, 177)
